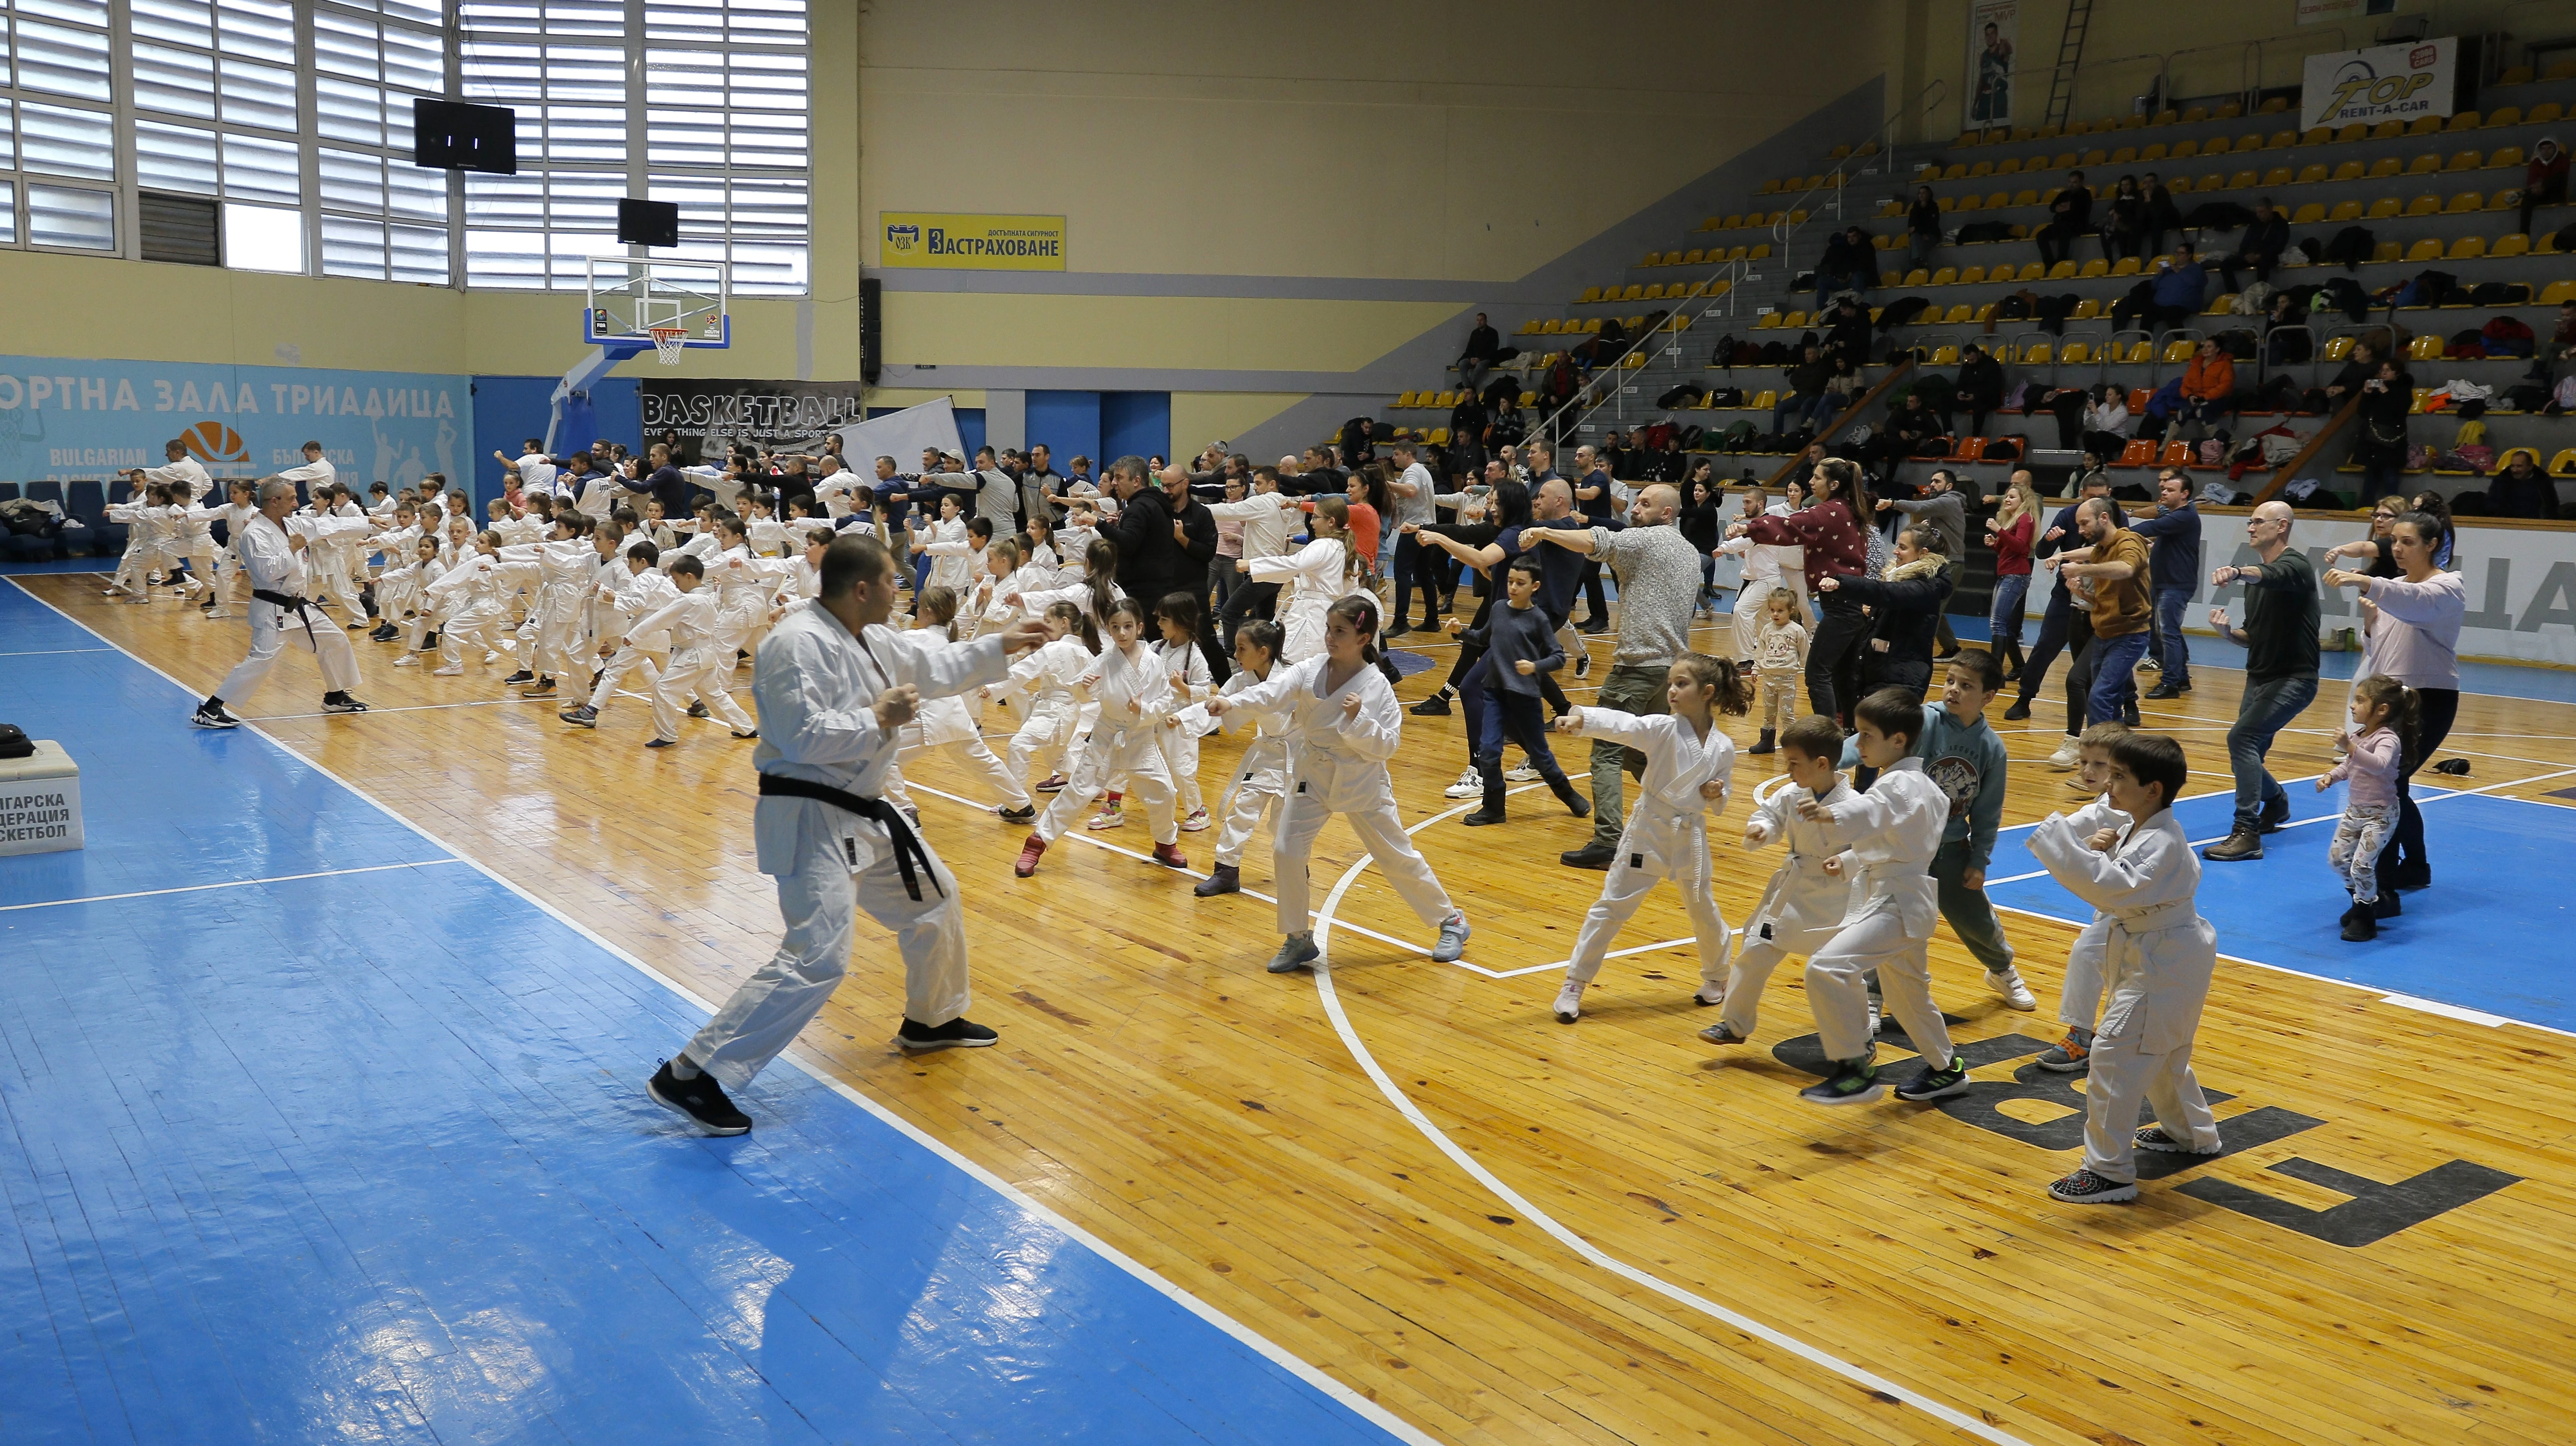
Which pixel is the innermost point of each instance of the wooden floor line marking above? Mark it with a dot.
(1594, 1255)
(227, 884)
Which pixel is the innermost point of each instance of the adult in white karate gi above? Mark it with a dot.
(279, 615)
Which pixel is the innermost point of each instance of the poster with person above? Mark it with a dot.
(1993, 29)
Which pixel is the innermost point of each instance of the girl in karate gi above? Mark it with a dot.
(948, 723)
(466, 606)
(1094, 590)
(2157, 960)
(1261, 776)
(1046, 678)
(1689, 764)
(1320, 572)
(1178, 617)
(1134, 694)
(1342, 724)
(2100, 825)
(1803, 908)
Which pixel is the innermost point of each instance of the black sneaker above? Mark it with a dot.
(1435, 706)
(584, 716)
(955, 1034)
(701, 1099)
(698, 710)
(1399, 630)
(515, 679)
(2153, 1137)
(1016, 815)
(1853, 1082)
(1594, 855)
(2086, 1188)
(1223, 879)
(212, 715)
(2162, 691)
(2018, 711)
(341, 703)
(1483, 816)
(2409, 874)
(1936, 1084)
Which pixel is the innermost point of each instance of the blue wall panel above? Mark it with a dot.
(1068, 422)
(1135, 423)
(509, 410)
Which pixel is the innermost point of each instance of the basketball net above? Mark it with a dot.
(669, 342)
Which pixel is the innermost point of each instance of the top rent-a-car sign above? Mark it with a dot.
(2383, 83)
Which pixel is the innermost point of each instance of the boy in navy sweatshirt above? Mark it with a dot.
(1520, 645)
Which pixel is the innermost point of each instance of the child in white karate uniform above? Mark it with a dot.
(949, 724)
(466, 605)
(1045, 679)
(1177, 615)
(1689, 763)
(1261, 775)
(698, 667)
(1317, 574)
(1342, 725)
(407, 588)
(2157, 961)
(240, 506)
(566, 562)
(1135, 696)
(645, 590)
(2101, 825)
(1810, 893)
(1893, 831)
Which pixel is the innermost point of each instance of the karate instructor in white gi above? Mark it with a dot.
(835, 687)
(272, 557)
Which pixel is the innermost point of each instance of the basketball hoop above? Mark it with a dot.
(669, 342)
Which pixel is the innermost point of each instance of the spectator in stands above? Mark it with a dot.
(2544, 179)
(1849, 264)
(2208, 391)
(2106, 421)
(1923, 226)
(2070, 214)
(2522, 489)
(1847, 332)
(1467, 423)
(2181, 285)
(1604, 345)
(1911, 425)
(1483, 346)
(1981, 390)
(2173, 575)
(2162, 214)
(2286, 337)
(2359, 367)
(2266, 237)
(2124, 220)
(1805, 395)
(2379, 433)
(1842, 389)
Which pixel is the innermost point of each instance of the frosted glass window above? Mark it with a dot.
(257, 95)
(8, 136)
(189, 22)
(415, 192)
(347, 111)
(67, 142)
(261, 28)
(261, 170)
(176, 158)
(82, 12)
(353, 182)
(8, 214)
(64, 216)
(263, 238)
(60, 60)
(176, 82)
(353, 248)
(419, 254)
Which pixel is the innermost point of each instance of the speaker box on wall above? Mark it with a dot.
(450, 136)
(871, 336)
(647, 223)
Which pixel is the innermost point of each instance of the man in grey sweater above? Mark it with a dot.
(1658, 573)
(1945, 511)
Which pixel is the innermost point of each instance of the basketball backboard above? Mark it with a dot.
(627, 297)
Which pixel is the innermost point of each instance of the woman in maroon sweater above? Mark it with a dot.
(2010, 532)
(1828, 528)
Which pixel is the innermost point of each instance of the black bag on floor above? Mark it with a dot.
(1686, 394)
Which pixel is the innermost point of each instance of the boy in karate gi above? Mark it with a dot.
(2158, 956)
(2100, 826)
(1803, 908)
(644, 590)
(235, 514)
(697, 669)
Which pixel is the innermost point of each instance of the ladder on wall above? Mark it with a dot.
(2070, 49)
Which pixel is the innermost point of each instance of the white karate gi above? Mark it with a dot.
(1123, 743)
(949, 724)
(1260, 776)
(2158, 956)
(1338, 765)
(1892, 831)
(1045, 677)
(699, 666)
(817, 687)
(1767, 567)
(188, 470)
(275, 566)
(466, 604)
(2080, 1003)
(1804, 906)
(643, 594)
(1666, 836)
(564, 570)
(1315, 572)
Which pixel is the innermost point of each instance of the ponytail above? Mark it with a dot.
(2403, 705)
(1732, 693)
(937, 607)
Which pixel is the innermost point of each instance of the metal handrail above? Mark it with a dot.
(1735, 273)
(1925, 99)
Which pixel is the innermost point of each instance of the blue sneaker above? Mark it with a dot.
(1453, 940)
(1296, 952)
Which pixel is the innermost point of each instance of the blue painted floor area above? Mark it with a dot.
(2491, 933)
(102, 565)
(366, 1157)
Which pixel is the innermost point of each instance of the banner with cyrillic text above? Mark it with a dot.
(956, 242)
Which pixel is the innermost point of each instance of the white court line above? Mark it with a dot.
(229, 884)
(2447, 1011)
(1592, 1254)
(1339, 1393)
(54, 652)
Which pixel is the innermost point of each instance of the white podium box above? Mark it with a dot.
(40, 801)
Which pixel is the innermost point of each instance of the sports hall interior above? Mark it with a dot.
(321, 1062)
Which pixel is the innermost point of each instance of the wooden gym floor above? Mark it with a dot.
(1507, 1230)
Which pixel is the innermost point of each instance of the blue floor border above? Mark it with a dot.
(351, 1142)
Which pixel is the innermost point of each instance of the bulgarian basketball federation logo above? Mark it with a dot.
(214, 442)
(903, 239)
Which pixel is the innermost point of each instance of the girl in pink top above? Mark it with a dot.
(2383, 713)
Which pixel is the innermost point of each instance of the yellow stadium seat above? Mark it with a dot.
(2127, 266)
(2466, 201)
(1404, 401)
(1957, 171)
(2036, 354)
(2125, 156)
(2424, 165)
(2386, 166)
(1918, 277)
(2195, 115)
(2025, 198)
(1982, 168)
(1655, 292)
(2430, 125)
(1737, 254)
(2087, 309)
(2344, 211)
(1765, 400)
(2276, 103)
(2337, 349)
(1766, 188)
(1945, 356)
(2032, 272)
(2542, 113)
(1633, 293)
(2467, 248)
(2515, 75)
(1529, 399)
(2277, 176)
(2178, 350)
(1653, 258)
(2282, 140)
(2467, 120)
(2564, 464)
(2311, 175)
(1591, 325)
(1943, 277)
(2420, 394)
(2243, 181)
(1700, 288)
(2061, 271)
(1795, 318)
(2219, 304)
(2505, 200)
(1441, 399)
(2511, 244)
(1767, 321)
(2387, 251)
(2097, 157)
(1529, 327)
(2348, 171)
(1694, 257)
(2154, 152)
(1439, 437)
(2560, 70)
(2424, 348)
(2308, 214)
(2075, 351)
(1970, 203)
(2141, 352)
(1958, 315)
(1551, 327)
(2216, 146)
(2230, 111)
(2428, 249)
(2354, 132)
(1590, 294)
(1891, 278)
(2095, 267)
(1759, 252)
(1634, 361)
(2184, 150)
(2505, 158)
(1998, 200)
(2387, 206)
(2464, 161)
(2387, 130)
(1732, 222)
(1983, 312)
(2211, 182)
(2065, 162)
(2558, 293)
(1970, 275)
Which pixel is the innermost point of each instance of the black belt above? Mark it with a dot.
(288, 603)
(907, 846)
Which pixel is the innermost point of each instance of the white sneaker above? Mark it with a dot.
(2067, 756)
(1470, 784)
(1710, 995)
(491, 657)
(2016, 994)
(217, 613)
(450, 671)
(1872, 1031)
(1197, 822)
(408, 660)
(1107, 818)
(1569, 1003)
(1522, 774)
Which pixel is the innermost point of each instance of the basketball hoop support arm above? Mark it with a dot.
(601, 361)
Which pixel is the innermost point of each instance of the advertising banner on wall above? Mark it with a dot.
(970, 243)
(1994, 28)
(64, 419)
(2383, 83)
(712, 415)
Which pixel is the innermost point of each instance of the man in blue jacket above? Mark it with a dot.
(2173, 574)
(2181, 285)
(2060, 534)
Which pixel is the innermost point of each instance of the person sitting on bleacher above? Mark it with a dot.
(2544, 179)
(2358, 368)
(2181, 285)
(1981, 388)
(2070, 214)
(2124, 220)
(1849, 264)
(2208, 391)
(1847, 332)
(2266, 237)
(2162, 214)
(1805, 397)
(2523, 490)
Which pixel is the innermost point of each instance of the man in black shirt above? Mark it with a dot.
(2070, 214)
(1593, 499)
(2266, 237)
(1166, 539)
(1849, 264)
(2280, 641)
(1478, 359)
